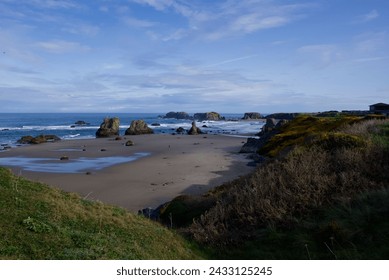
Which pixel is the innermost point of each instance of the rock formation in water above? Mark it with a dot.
(252, 116)
(194, 130)
(108, 128)
(178, 115)
(138, 127)
(209, 116)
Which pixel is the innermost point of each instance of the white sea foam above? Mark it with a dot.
(47, 128)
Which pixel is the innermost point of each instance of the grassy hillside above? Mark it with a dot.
(39, 222)
(324, 194)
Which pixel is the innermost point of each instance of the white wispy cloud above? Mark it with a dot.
(321, 55)
(372, 15)
(253, 22)
(61, 46)
(81, 28)
(231, 60)
(156, 4)
(135, 22)
(177, 35)
(371, 42)
(53, 4)
(371, 59)
(17, 69)
(245, 17)
(219, 20)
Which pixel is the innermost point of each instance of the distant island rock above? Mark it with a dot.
(81, 123)
(108, 128)
(252, 116)
(209, 116)
(138, 127)
(38, 139)
(178, 115)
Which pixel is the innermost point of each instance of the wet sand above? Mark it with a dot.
(166, 166)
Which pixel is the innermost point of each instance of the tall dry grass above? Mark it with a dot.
(283, 190)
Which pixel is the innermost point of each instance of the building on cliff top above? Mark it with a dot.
(380, 108)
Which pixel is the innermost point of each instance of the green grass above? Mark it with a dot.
(40, 222)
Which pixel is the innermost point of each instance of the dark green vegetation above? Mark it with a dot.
(39, 222)
(323, 193)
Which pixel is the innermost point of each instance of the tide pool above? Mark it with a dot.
(76, 165)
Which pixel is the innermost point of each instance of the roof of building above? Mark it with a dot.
(380, 104)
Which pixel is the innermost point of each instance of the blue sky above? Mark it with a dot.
(229, 56)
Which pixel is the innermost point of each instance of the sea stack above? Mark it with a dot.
(194, 130)
(108, 128)
(138, 127)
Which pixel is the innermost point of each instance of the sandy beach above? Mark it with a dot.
(166, 166)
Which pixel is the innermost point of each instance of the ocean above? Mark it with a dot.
(14, 125)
